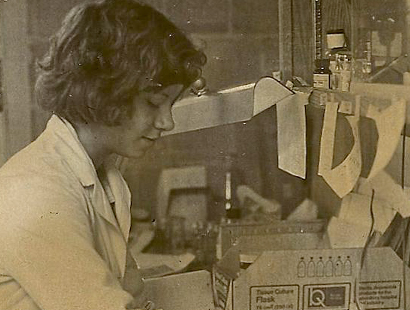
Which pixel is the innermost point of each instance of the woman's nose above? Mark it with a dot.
(164, 120)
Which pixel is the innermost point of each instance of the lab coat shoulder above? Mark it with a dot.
(35, 185)
(47, 243)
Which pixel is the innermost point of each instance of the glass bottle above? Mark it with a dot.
(345, 74)
(320, 268)
(347, 267)
(338, 267)
(322, 74)
(311, 268)
(302, 268)
(329, 267)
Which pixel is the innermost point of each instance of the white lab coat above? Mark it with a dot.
(62, 246)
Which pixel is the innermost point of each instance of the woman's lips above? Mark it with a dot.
(150, 139)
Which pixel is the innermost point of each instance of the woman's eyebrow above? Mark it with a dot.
(154, 89)
(162, 95)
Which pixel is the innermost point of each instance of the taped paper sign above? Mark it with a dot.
(327, 142)
(291, 120)
(342, 178)
(268, 91)
(355, 209)
(389, 191)
(338, 238)
(389, 123)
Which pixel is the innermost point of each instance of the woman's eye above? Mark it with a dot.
(155, 104)
(156, 100)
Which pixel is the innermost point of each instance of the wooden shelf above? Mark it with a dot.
(379, 95)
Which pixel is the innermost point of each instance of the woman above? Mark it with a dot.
(110, 78)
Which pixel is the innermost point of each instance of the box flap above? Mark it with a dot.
(185, 291)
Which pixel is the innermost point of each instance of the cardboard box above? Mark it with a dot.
(277, 235)
(185, 291)
(311, 280)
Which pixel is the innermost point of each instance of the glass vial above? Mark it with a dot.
(232, 209)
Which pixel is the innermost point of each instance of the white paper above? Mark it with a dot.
(268, 92)
(342, 178)
(291, 129)
(389, 123)
(343, 235)
(327, 141)
(355, 209)
(388, 190)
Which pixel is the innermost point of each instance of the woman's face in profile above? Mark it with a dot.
(152, 115)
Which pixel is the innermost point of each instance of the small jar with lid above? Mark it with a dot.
(322, 74)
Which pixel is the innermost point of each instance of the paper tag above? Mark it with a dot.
(346, 107)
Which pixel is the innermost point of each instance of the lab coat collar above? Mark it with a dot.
(71, 149)
(74, 154)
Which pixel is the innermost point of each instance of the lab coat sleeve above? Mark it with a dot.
(47, 247)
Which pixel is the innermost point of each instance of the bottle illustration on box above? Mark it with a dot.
(320, 268)
(329, 267)
(311, 268)
(347, 267)
(338, 267)
(302, 268)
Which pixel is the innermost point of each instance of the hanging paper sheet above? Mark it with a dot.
(268, 92)
(343, 235)
(388, 190)
(389, 123)
(291, 120)
(327, 142)
(342, 178)
(355, 209)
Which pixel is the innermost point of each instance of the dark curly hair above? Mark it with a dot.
(106, 53)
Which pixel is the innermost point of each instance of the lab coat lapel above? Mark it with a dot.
(122, 197)
(111, 237)
(102, 206)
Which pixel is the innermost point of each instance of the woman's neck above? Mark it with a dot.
(93, 141)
